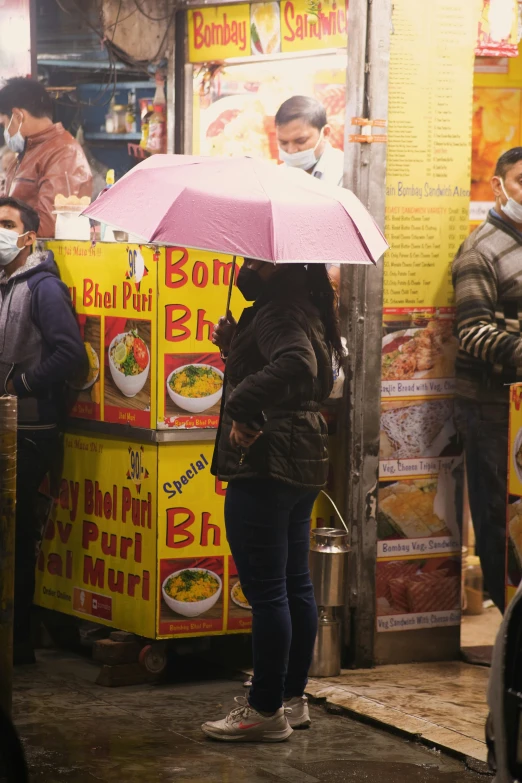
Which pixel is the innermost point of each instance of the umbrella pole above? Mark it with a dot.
(230, 286)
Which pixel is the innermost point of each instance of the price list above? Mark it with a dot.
(429, 154)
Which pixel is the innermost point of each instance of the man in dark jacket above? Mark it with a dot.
(40, 349)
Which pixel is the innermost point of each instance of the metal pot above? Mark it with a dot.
(329, 548)
(326, 661)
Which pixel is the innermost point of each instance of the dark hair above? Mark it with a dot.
(28, 94)
(30, 218)
(507, 160)
(323, 296)
(301, 107)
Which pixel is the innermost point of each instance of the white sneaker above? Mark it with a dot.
(298, 712)
(245, 724)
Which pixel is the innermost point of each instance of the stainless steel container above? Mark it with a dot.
(326, 661)
(329, 549)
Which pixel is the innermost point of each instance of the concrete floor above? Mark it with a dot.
(77, 732)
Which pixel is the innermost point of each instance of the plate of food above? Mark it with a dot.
(191, 591)
(238, 596)
(420, 353)
(195, 387)
(129, 362)
(94, 371)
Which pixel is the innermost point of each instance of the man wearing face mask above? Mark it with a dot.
(49, 160)
(487, 277)
(303, 137)
(40, 349)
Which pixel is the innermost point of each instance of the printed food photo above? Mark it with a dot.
(191, 593)
(193, 388)
(417, 429)
(420, 353)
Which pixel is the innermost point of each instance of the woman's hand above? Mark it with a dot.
(242, 436)
(224, 332)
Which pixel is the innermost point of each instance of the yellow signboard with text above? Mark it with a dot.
(219, 32)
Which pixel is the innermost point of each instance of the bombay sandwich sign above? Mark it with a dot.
(243, 30)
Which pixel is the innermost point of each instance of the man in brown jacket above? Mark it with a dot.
(49, 160)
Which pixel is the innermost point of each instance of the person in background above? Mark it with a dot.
(49, 160)
(303, 137)
(487, 277)
(272, 449)
(40, 349)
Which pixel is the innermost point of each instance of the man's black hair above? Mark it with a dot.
(301, 107)
(507, 160)
(25, 94)
(30, 218)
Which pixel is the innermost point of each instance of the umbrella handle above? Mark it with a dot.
(230, 285)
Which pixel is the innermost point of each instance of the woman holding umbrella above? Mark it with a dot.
(271, 448)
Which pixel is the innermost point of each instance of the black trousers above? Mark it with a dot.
(37, 453)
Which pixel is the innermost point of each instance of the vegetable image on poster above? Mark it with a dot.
(194, 385)
(127, 367)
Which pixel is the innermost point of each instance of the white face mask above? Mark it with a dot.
(9, 245)
(305, 159)
(16, 142)
(512, 209)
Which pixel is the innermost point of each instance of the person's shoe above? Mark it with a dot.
(297, 711)
(245, 724)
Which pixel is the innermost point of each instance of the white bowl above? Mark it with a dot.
(129, 385)
(194, 404)
(192, 608)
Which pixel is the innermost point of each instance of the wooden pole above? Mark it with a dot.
(8, 410)
(369, 26)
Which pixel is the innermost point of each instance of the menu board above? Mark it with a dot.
(427, 207)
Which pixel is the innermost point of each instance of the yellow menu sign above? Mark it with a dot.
(302, 30)
(219, 32)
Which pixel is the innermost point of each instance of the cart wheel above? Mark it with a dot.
(153, 658)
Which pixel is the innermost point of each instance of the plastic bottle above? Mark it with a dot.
(157, 133)
(130, 117)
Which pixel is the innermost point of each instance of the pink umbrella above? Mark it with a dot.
(242, 207)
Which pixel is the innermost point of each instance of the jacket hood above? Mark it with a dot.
(40, 261)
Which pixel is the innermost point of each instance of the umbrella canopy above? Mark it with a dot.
(243, 207)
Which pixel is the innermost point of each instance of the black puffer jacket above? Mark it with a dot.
(279, 371)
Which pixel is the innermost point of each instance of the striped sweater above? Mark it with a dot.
(487, 277)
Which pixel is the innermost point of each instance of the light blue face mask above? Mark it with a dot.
(9, 245)
(16, 142)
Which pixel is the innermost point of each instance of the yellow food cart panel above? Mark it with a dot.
(114, 291)
(193, 287)
(514, 501)
(98, 556)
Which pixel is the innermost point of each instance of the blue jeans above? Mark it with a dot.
(484, 430)
(268, 529)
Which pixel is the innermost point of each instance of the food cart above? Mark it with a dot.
(514, 505)
(137, 537)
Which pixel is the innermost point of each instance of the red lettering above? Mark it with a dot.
(127, 293)
(109, 544)
(200, 274)
(208, 528)
(126, 503)
(197, 25)
(88, 286)
(93, 573)
(175, 529)
(115, 585)
(89, 533)
(69, 564)
(133, 582)
(89, 497)
(202, 323)
(175, 275)
(64, 531)
(125, 545)
(145, 586)
(289, 15)
(219, 488)
(54, 564)
(137, 547)
(175, 329)
(223, 269)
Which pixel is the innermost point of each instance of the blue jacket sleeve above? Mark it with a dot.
(52, 314)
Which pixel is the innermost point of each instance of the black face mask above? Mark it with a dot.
(250, 283)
